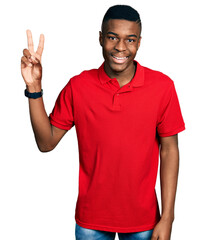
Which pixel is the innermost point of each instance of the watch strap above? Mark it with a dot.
(33, 95)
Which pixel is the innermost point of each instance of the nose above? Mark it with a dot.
(120, 46)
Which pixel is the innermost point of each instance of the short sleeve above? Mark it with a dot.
(62, 114)
(170, 120)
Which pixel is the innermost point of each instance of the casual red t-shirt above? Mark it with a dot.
(117, 131)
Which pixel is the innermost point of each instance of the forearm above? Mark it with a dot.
(40, 124)
(169, 166)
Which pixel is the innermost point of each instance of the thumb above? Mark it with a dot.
(37, 71)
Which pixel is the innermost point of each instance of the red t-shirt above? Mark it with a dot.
(117, 131)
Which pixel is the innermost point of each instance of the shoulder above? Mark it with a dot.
(81, 82)
(84, 77)
(157, 78)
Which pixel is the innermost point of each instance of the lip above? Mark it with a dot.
(118, 59)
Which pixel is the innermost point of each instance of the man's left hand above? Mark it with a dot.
(162, 230)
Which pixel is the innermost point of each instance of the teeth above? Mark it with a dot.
(118, 58)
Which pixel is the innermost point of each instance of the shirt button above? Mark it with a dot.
(117, 94)
(129, 86)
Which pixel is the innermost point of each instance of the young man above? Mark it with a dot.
(124, 114)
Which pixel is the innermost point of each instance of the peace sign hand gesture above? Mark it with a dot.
(31, 68)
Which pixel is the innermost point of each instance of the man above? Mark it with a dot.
(123, 114)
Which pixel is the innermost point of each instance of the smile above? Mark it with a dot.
(119, 59)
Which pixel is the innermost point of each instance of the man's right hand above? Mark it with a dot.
(31, 68)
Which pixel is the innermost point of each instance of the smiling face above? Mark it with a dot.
(120, 40)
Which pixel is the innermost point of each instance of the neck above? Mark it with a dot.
(122, 76)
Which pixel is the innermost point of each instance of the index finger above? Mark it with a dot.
(30, 41)
(41, 45)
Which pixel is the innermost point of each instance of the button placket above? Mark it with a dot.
(116, 101)
(116, 97)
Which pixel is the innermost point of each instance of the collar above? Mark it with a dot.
(137, 80)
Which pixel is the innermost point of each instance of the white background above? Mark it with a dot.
(38, 191)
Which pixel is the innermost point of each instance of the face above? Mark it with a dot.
(120, 41)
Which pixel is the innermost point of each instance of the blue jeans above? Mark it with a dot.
(89, 234)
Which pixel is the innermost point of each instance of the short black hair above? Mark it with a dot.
(123, 12)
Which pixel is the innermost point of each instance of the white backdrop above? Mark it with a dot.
(38, 191)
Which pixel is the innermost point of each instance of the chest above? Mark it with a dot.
(116, 107)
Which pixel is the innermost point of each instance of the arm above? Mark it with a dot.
(169, 166)
(46, 135)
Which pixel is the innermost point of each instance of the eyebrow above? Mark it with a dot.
(131, 35)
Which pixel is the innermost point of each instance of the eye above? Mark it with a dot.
(112, 38)
(131, 40)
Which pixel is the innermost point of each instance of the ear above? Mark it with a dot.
(100, 38)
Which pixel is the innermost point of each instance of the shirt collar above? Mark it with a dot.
(137, 81)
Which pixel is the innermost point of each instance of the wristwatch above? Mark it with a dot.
(33, 95)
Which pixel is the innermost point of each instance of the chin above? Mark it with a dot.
(119, 67)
